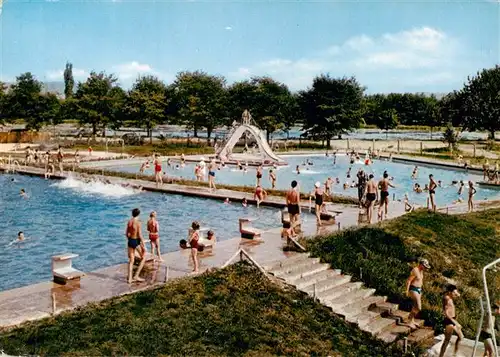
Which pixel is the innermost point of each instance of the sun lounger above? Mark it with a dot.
(62, 268)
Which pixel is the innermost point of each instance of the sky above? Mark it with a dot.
(389, 46)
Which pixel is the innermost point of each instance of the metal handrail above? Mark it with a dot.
(479, 327)
(488, 304)
(297, 244)
(241, 252)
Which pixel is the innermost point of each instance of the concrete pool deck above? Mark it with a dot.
(37, 301)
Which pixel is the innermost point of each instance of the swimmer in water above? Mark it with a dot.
(20, 236)
(297, 169)
(461, 189)
(226, 201)
(259, 195)
(328, 186)
(414, 173)
(244, 203)
(23, 193)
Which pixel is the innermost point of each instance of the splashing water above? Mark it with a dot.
(96, 188)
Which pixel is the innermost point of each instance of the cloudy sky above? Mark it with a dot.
(407, 46)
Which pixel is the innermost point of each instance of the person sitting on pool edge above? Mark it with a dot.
(203, 243)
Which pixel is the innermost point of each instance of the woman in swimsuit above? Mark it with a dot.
(318, 201)
(259, 175)
(194, 236)
(472, 192)
(154, 235)
(158, 176)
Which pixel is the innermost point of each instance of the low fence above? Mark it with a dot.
(13, 137)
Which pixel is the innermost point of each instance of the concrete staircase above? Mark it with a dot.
(355, 303)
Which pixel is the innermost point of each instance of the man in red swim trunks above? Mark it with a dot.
(134, 241)
(154, 235)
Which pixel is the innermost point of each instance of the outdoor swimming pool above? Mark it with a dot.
(89, 219)
(323, 168)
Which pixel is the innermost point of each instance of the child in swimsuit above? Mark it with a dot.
(154, 235)
(194, 237)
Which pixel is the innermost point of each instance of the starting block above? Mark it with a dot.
(247, 231)
(62, 268)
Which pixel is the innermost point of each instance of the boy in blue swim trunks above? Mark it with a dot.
(414, 289)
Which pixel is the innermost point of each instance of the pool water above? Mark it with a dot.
(323, 168)
(89, 220)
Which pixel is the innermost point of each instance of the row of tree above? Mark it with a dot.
(330, 107)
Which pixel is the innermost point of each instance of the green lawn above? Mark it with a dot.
(231, 312)
(456, 246)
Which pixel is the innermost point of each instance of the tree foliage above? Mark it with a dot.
(329, 108)
(270, 102)
(450, 137)
(98, 101)
(332, 106)
(480, 103)
(200, 100)
(146, 103)
(4, 115)
(69, 81)
(410, 108)
(25, 101)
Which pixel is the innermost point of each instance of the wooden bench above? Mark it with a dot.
(62, 268)
(247, 231)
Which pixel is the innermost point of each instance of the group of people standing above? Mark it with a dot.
(35, 157)
(135, 243)
(136, 247)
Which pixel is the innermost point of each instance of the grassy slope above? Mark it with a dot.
(230, 312)
(456, 246)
